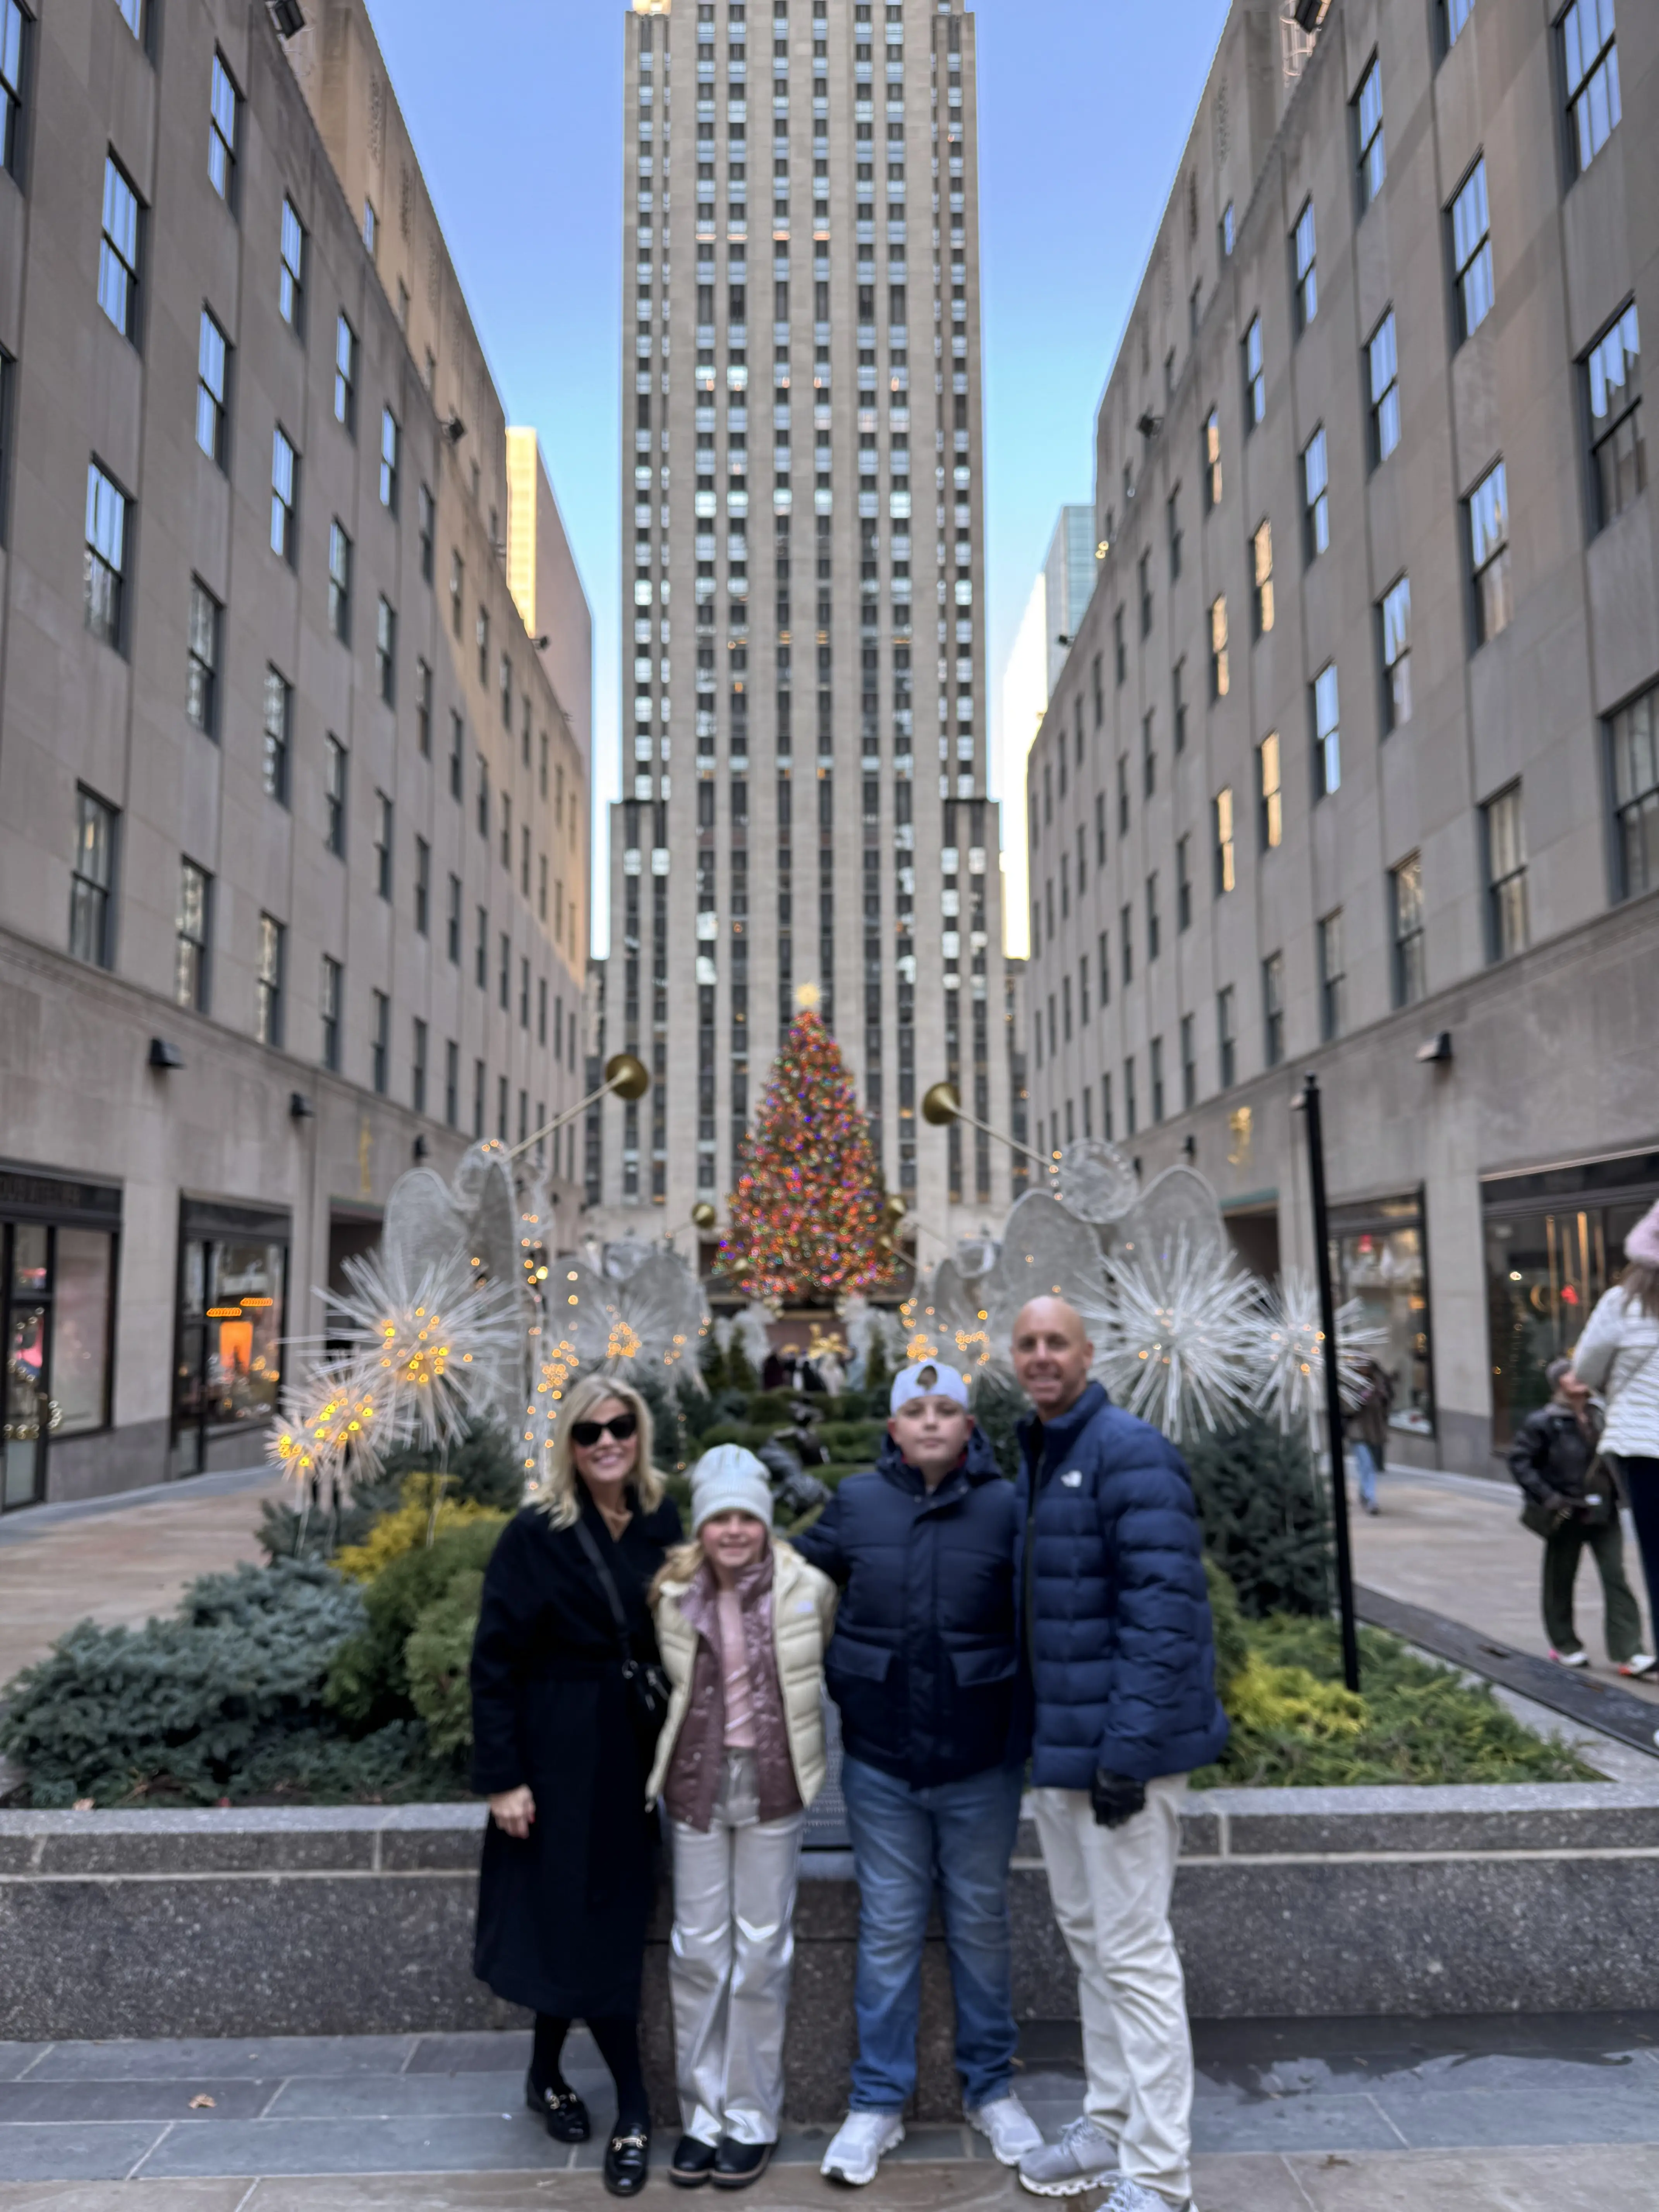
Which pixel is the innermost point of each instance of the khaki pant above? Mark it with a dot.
(1111, 1888)
(730, 1958)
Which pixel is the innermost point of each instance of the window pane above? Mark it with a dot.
(80, 1338)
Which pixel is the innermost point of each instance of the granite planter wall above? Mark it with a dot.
(1297, 1903)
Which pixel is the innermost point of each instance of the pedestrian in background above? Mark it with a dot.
(1367, 1430)
(743, 1622)
(1117, 1636)
(923, 1667)
(1572, 1502)
(568, 1877)
(1617, 1355)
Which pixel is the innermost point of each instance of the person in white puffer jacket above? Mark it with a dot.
(1618, 1356)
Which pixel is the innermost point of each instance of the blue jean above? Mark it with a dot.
(1364, 1460)
(962, 1835)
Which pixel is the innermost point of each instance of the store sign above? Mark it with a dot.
(27, 1196)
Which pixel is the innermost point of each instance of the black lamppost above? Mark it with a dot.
(1309, 1107)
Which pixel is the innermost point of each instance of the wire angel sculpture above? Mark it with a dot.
(1182, 1347)
(1292, 1354)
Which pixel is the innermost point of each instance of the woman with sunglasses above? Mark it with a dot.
(568, 1876)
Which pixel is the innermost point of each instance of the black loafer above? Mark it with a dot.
(563, 2111)
(692, 2163)
(627, 2162)
(737, 2165)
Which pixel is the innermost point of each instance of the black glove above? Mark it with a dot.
(1115, 1799)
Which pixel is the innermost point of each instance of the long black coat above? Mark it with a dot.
(561, 1916)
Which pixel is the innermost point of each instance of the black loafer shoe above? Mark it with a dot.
(736, 2165)
(563, 2111)
(627, 2162)
(692, 2163)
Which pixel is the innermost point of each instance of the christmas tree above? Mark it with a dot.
(807, 1219)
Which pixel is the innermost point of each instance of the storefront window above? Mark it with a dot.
(229, 1371)
(1379, 1255)
(79, 1347)
(55, 1290)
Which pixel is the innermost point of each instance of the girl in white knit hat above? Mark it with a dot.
(742, 1622)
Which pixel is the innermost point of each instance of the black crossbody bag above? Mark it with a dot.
(645, 1684)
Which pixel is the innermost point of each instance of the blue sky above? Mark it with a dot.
(1084, 107)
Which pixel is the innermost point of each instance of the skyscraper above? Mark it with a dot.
(805, 819)
(1058, 599)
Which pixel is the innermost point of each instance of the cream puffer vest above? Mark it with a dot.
(803, 1616)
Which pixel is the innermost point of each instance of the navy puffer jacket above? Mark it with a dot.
(1115, 1627)
(923, 1663)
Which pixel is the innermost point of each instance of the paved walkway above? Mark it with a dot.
(1538, 2116)
(118, 1560)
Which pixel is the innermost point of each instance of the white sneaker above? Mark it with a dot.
(1008, 2128)
(1640, 1665)
(1085, 2157)
(863, 2141)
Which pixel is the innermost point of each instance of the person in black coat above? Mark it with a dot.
(923, 1664)
(568, 1874)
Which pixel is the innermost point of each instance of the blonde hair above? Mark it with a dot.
(682, 1563)
(1641, 1285)
(560, 1497)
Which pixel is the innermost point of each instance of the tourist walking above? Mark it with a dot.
(743, 1622)
(1368, 1431)
(1617, 1355)
(563, 1672)
(1115, 1633)
(1572, 1502)
(923, 1667)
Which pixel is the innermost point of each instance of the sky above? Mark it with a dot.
(1085, 106)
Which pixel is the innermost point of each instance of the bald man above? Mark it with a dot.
(1116, 1643)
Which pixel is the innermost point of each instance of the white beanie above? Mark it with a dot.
(729, 1480)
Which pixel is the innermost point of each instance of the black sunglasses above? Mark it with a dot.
(587, 1433)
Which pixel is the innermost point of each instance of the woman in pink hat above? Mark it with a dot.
(1618, 1355)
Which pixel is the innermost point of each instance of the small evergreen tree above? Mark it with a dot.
(1266, 1519)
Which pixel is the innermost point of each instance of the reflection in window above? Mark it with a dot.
(1397, 655)
(1633, 735)
(1471, 268)
(1381, 1264)
(229, 1330)
(1489, 554)
(1506, 874)
(1612, 372)
(1384, 361)
(1590, 61)
(1373, 158)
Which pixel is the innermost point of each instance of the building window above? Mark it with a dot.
(1307, 268)
(423, 888)
(1406, 925)
(1255, 380)
(15, 28)
(132, 14)
(1383, 360)
(1633, 736)
(335, 780)
(391, 438)
(457, 756)
(1220, 679)
(1154, 931)
(417, 1068)
(1395, 627)
(1327, 733)
(1184, 883)
(1173, 513)
(1489, 554)
(1229, 232)
(1332, 978)
(1155, 1056)
(345, 376)
(1145, 580)
(1472, 269)
(284, 492)
(1226, 855)
(329, 992)
(268, 983)
(1272, 1008)
(212, 358)
(1454, 18)
(118, 251)
(371, 230)
(385, 651)
(1612, 375)
(427, 510)
(1119, 651)
(291, 277)
(1316, 498)
(1270, 793)
(223, 103)
(1227, 1036)
(1125, 944)
(380, 1040)
(1211, 460)
(423, 709)
(6, 380)
(453, 922)
(92, 881)
(1188, 1062)
(278, 728)
(190, 962)
(1506, 874)
(201, 673)
(1262, 546)
(383, 834)
(452, 1084)
(107, 553)
(1590, 68)
(1178, 707)
(339, 581)
(1368, 116)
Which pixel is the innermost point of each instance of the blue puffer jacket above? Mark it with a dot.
(1114, 1626)
(923, 1663)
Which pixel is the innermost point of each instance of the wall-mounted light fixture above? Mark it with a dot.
(300, 1107)
(1438, 1051)
(164, 1055)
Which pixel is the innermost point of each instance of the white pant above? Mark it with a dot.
(1111, 1888)
(730, 1960)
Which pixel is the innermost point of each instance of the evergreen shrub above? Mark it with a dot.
(1266, 1522)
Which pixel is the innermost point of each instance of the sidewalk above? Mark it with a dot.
(1291, 2116)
